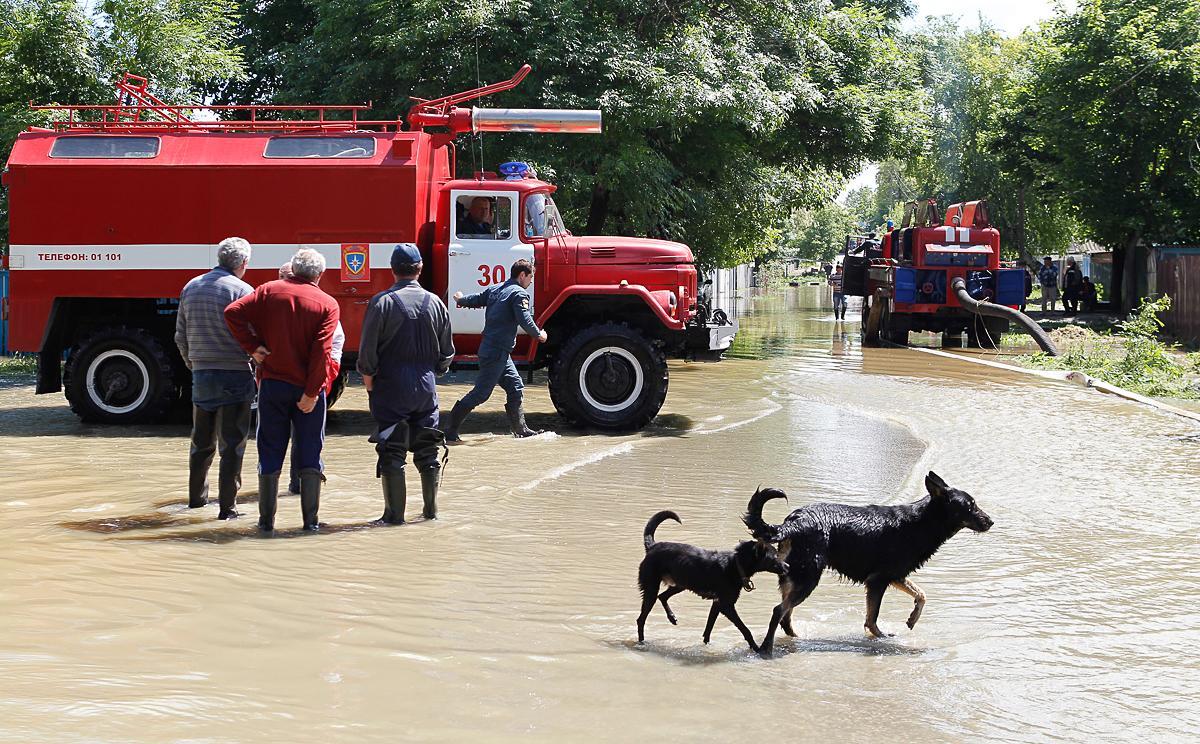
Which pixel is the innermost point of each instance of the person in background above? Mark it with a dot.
(288, 326)
(1048, 278)
(1028, 287)
(222, 379)
(1072, 283)
(406, 343)
(1087, 293)
(839, 299)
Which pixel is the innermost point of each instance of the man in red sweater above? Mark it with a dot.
(288, 327)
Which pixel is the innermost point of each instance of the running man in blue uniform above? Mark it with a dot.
(508, 307)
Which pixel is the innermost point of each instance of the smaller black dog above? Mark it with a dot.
(719, 575)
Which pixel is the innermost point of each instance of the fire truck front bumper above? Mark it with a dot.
(708, 342)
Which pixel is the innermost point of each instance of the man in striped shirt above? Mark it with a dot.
(222, 378)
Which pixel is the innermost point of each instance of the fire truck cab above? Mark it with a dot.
(115, 208)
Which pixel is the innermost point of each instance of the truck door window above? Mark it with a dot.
(484, 217)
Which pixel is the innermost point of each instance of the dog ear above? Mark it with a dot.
(935, 485)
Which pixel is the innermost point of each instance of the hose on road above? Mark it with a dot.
(959, 286)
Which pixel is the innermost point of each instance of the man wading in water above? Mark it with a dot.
(406, 341)
(508, 306)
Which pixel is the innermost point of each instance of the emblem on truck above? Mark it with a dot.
(354, 262)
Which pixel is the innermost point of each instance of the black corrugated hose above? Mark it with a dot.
(959, 285)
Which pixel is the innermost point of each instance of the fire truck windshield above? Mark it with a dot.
(541, 217)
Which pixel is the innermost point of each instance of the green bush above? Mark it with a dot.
(1133, 358)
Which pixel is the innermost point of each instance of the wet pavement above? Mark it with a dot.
(127, 617)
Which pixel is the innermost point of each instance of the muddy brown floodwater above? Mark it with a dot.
(127, 617)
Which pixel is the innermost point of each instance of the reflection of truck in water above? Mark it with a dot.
(905, 279)
(115, 207)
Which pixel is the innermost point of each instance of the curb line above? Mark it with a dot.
(1078, 378)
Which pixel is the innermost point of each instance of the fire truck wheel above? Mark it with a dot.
(869, 337)
(120, 375)
(609, 376)
(985, 332)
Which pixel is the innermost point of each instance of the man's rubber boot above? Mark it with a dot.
(310, 497)
(516, 419)
(228, 488)
(200, 458)
(395, 496)
(457, 415)
(429, 488)
(268, 499)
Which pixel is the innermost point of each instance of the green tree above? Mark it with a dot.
(1111, 110)
(720, 120)
(52, 51)
(820, 234)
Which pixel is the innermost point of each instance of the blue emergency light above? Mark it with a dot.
(514, 170)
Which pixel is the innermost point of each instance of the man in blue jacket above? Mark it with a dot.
(509, 306)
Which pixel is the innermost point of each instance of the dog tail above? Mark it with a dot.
(655, 521)
(754, 518)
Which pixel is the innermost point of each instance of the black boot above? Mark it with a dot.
(204, 447)
(516, 419)
(429, 487)
(457, 414)
(268, 498)
(310, 497)
(395, 496)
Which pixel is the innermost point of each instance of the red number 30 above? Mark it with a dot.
(490, 275)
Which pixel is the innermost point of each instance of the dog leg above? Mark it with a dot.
(795, 590)
(670, 592)
(649, 595)
(729, 611)
(786, 623)
(875, 590)
(918, 596)
(712, 619)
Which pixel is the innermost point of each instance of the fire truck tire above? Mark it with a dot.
(985, 332)
(120, 375)
(897, 328)
(869, 337)
(609, 376)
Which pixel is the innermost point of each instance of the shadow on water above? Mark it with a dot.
(42, 421)
(223, 535)
(701, 656)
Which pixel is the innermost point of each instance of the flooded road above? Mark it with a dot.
(127, 617)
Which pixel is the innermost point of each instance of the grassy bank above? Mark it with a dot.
(1131, 355)
(21, 368)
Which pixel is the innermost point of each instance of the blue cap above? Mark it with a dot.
(514, 170)
(405, 254)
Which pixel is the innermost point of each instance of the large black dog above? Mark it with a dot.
(716, 575)
(873, 545)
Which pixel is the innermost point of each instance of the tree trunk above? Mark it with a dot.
(1125, 274)
(598, 212)
(1022, 249)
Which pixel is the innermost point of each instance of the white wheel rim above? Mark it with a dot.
(96, 395)
(638, 380)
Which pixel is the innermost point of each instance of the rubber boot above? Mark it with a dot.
(268, 499)
(516, 419)
(429, 488)
(395, 496)
(457, 415)
(228, 488)
(310, 497)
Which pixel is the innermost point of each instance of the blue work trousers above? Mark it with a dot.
(280, 420)
(496, 370)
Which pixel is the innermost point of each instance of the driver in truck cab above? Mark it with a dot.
(478, 220)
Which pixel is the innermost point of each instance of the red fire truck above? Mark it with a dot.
(906, 279)
(115, 207)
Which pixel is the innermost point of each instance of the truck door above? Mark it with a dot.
(483, 245)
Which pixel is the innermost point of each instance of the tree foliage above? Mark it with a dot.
(1113, 112)
(55, 51)
(719, 119)
(819, 234)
